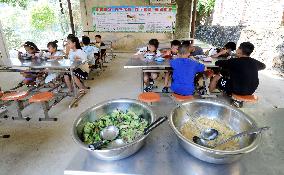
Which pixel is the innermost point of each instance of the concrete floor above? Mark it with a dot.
(47, 147)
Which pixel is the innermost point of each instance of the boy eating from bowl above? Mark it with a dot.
(243, 72)
(184, 71)
(150, 52)
(175, 44)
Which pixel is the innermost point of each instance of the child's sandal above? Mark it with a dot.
(82, 91)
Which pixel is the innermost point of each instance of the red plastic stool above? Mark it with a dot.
(182, 97)
(149, 97)
(238, 100)
(17, 97)
(43, 98)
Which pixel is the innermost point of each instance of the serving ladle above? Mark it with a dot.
(204, 143)
(205, 134)
(110, 133)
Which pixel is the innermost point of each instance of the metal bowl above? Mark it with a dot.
(232, 117)
(95, 112)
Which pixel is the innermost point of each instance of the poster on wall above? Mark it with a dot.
(154, 19)
(162, 1)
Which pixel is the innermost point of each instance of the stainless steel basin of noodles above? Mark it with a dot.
(189, 130)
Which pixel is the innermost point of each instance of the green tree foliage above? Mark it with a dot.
(21, 3)
(43, 17)
(204, 9)
(64, 21)
(205, 6)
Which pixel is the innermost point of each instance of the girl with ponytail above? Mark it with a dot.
(77, 54)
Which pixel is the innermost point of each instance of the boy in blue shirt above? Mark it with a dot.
(184, 70)
(89, 50)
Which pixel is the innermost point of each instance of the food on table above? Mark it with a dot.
(189, 130)
(130, 126)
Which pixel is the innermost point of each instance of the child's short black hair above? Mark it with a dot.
(86, 40)
(175, 43)
(98, 36)
(231, 45)
(154, 42)
(186, 43)
(247, 48)
(183, 49)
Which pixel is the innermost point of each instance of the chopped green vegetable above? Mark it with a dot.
(129, 123)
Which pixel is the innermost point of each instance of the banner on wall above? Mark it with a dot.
(162, 1)
(155, 19)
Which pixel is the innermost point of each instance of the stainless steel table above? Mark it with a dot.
(146, 65)
(162, 155)
(38, 64)
(136, 62)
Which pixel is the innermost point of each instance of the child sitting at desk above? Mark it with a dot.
(151, 49)
(52, 54)
(99, 44)
(184, 71)
(175, 44)
(89, 50)
(194, 50)
(223, 52)
(32, 52)
(80, 73)
(243, 72)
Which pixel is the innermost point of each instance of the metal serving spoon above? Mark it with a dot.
(203, 142)
(205, 134)
(110, 133)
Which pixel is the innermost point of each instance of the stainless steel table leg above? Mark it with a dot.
(19, 108)
(206, 86)
(45, 107)
(75, 92)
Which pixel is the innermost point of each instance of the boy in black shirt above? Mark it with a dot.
(102, 52)
(243, 72)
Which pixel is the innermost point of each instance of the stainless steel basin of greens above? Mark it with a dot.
(232, 117)
(99, 110)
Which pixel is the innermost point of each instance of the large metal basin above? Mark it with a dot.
(234, 118)
(99, 110)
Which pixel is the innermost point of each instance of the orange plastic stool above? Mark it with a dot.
(239, 99)
(149, 97)
(43, 98)
(182, 97)
(13, 96)
(17, 97)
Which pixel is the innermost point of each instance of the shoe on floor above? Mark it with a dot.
(165, 90)
(148, 88)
